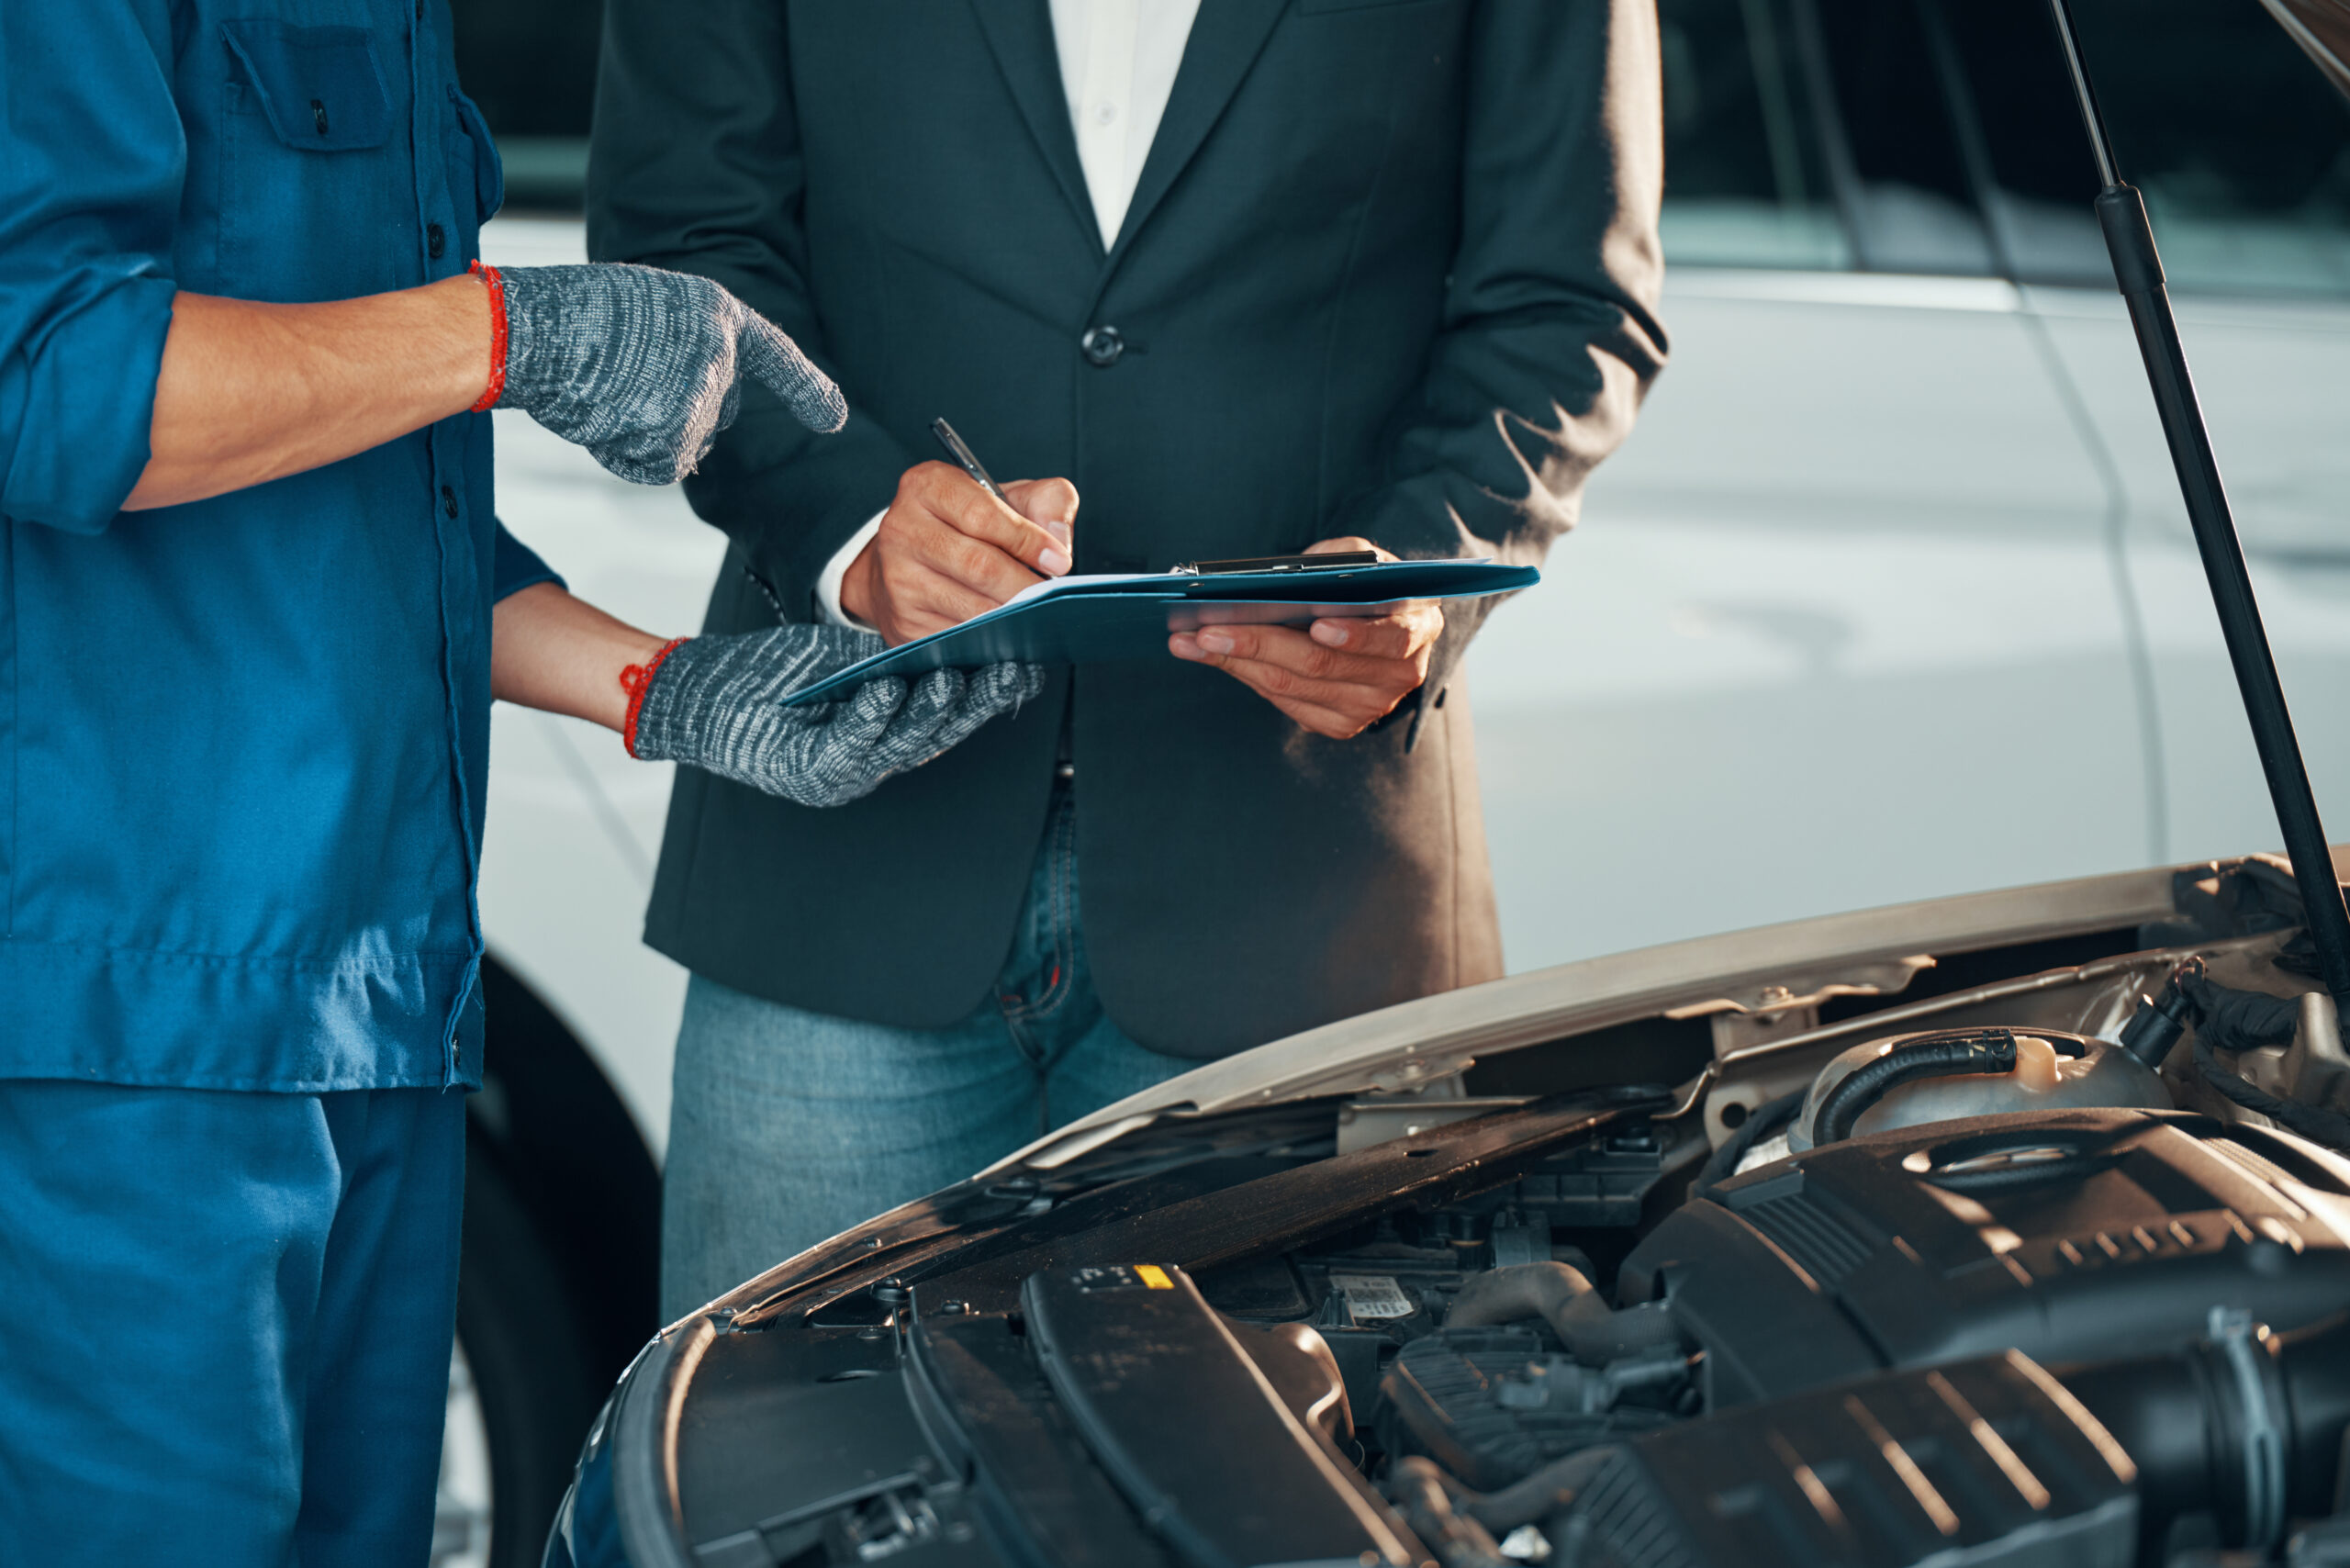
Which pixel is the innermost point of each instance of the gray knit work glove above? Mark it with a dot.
(645, 367)
(715, 703)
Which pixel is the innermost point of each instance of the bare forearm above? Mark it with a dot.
(550, 651)
(252, 392)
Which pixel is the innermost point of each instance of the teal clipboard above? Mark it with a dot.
(1101, 619)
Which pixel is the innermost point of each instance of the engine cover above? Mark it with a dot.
(2069, 1235)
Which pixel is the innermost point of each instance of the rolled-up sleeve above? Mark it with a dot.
(92, 160)
(516, 566)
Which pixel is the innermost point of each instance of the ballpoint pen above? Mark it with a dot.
(963, 454)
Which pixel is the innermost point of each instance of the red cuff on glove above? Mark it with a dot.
(635, 679)
(489, 399)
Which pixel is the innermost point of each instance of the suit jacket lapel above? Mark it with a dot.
(1226, 38)
(1020, 35)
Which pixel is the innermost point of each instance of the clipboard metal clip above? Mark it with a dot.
(1331, 562)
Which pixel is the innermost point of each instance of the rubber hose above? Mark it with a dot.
(2185, 1417)
(1424, 1496)
(1760, 1124)
(1599, 1334)
(1538, 1496)
(1516, 1292)
(2236, 1020)
(1595, 1332)
(1942, 1055)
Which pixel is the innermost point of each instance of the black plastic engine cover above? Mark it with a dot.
(1192, 1430)
(2068, 1235)
(1983, 1462)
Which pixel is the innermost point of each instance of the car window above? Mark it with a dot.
(531, 64)
(1745, 181)
(2241, 148)
(1912, 208)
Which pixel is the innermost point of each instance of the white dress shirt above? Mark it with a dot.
(1118, 63)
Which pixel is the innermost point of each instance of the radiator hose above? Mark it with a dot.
(1593, 1331)
(2246, 1425)
(1932, 1056)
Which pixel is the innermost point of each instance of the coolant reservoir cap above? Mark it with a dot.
(2035, 1071)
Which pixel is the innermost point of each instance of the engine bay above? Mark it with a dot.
(2049, 1269)
(2069, 1239)
(1664, 1308)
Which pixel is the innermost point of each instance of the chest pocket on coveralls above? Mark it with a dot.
(318, 195)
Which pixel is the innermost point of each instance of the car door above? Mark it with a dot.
(2244, 156)
(1844, 623)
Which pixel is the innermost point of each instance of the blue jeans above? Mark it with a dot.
(224, 1323)
(788, 1127)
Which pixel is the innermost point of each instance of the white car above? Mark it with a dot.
(1890, 597)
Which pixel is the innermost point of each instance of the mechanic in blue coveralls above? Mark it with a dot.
(253, 608)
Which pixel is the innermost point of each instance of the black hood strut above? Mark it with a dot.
(2122, 214)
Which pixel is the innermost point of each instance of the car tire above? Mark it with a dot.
(535, 1384)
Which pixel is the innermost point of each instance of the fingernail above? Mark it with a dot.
(1052, 562)
(1183, 647)
(1060, 531)
(1329, 634)
(1217, 642)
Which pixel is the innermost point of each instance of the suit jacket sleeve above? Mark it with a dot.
(697, 167)
(1551, 335)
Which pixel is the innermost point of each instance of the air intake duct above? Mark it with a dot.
(1993, 1460)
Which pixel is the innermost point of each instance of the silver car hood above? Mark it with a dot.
(1418, 1046)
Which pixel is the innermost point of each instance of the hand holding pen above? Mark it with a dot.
(954, 543)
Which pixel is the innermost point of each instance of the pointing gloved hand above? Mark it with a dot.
(645, 367)
(715, 702)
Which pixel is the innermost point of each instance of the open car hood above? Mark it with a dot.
(1598, 1317)
(1419, 1047)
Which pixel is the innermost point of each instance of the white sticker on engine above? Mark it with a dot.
(1372, 1296)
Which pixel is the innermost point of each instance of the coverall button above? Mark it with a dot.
(436, 239)
(448, 501)
(1102, 345)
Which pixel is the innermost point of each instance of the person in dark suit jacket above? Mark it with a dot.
(1249, 276)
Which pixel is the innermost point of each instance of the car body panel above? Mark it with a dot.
(2262, 370)
(1857, 533)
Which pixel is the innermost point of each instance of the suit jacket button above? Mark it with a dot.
(1102, 345)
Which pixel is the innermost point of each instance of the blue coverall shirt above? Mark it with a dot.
(242, 743)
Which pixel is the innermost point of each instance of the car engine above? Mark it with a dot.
(1946, 1281)
(1979, 1294)
(2050, 1270)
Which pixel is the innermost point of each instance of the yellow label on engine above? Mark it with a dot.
(1154, 1276)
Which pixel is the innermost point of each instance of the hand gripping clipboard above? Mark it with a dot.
(1099, 620)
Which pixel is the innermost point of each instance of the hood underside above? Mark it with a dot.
(1774, 972)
